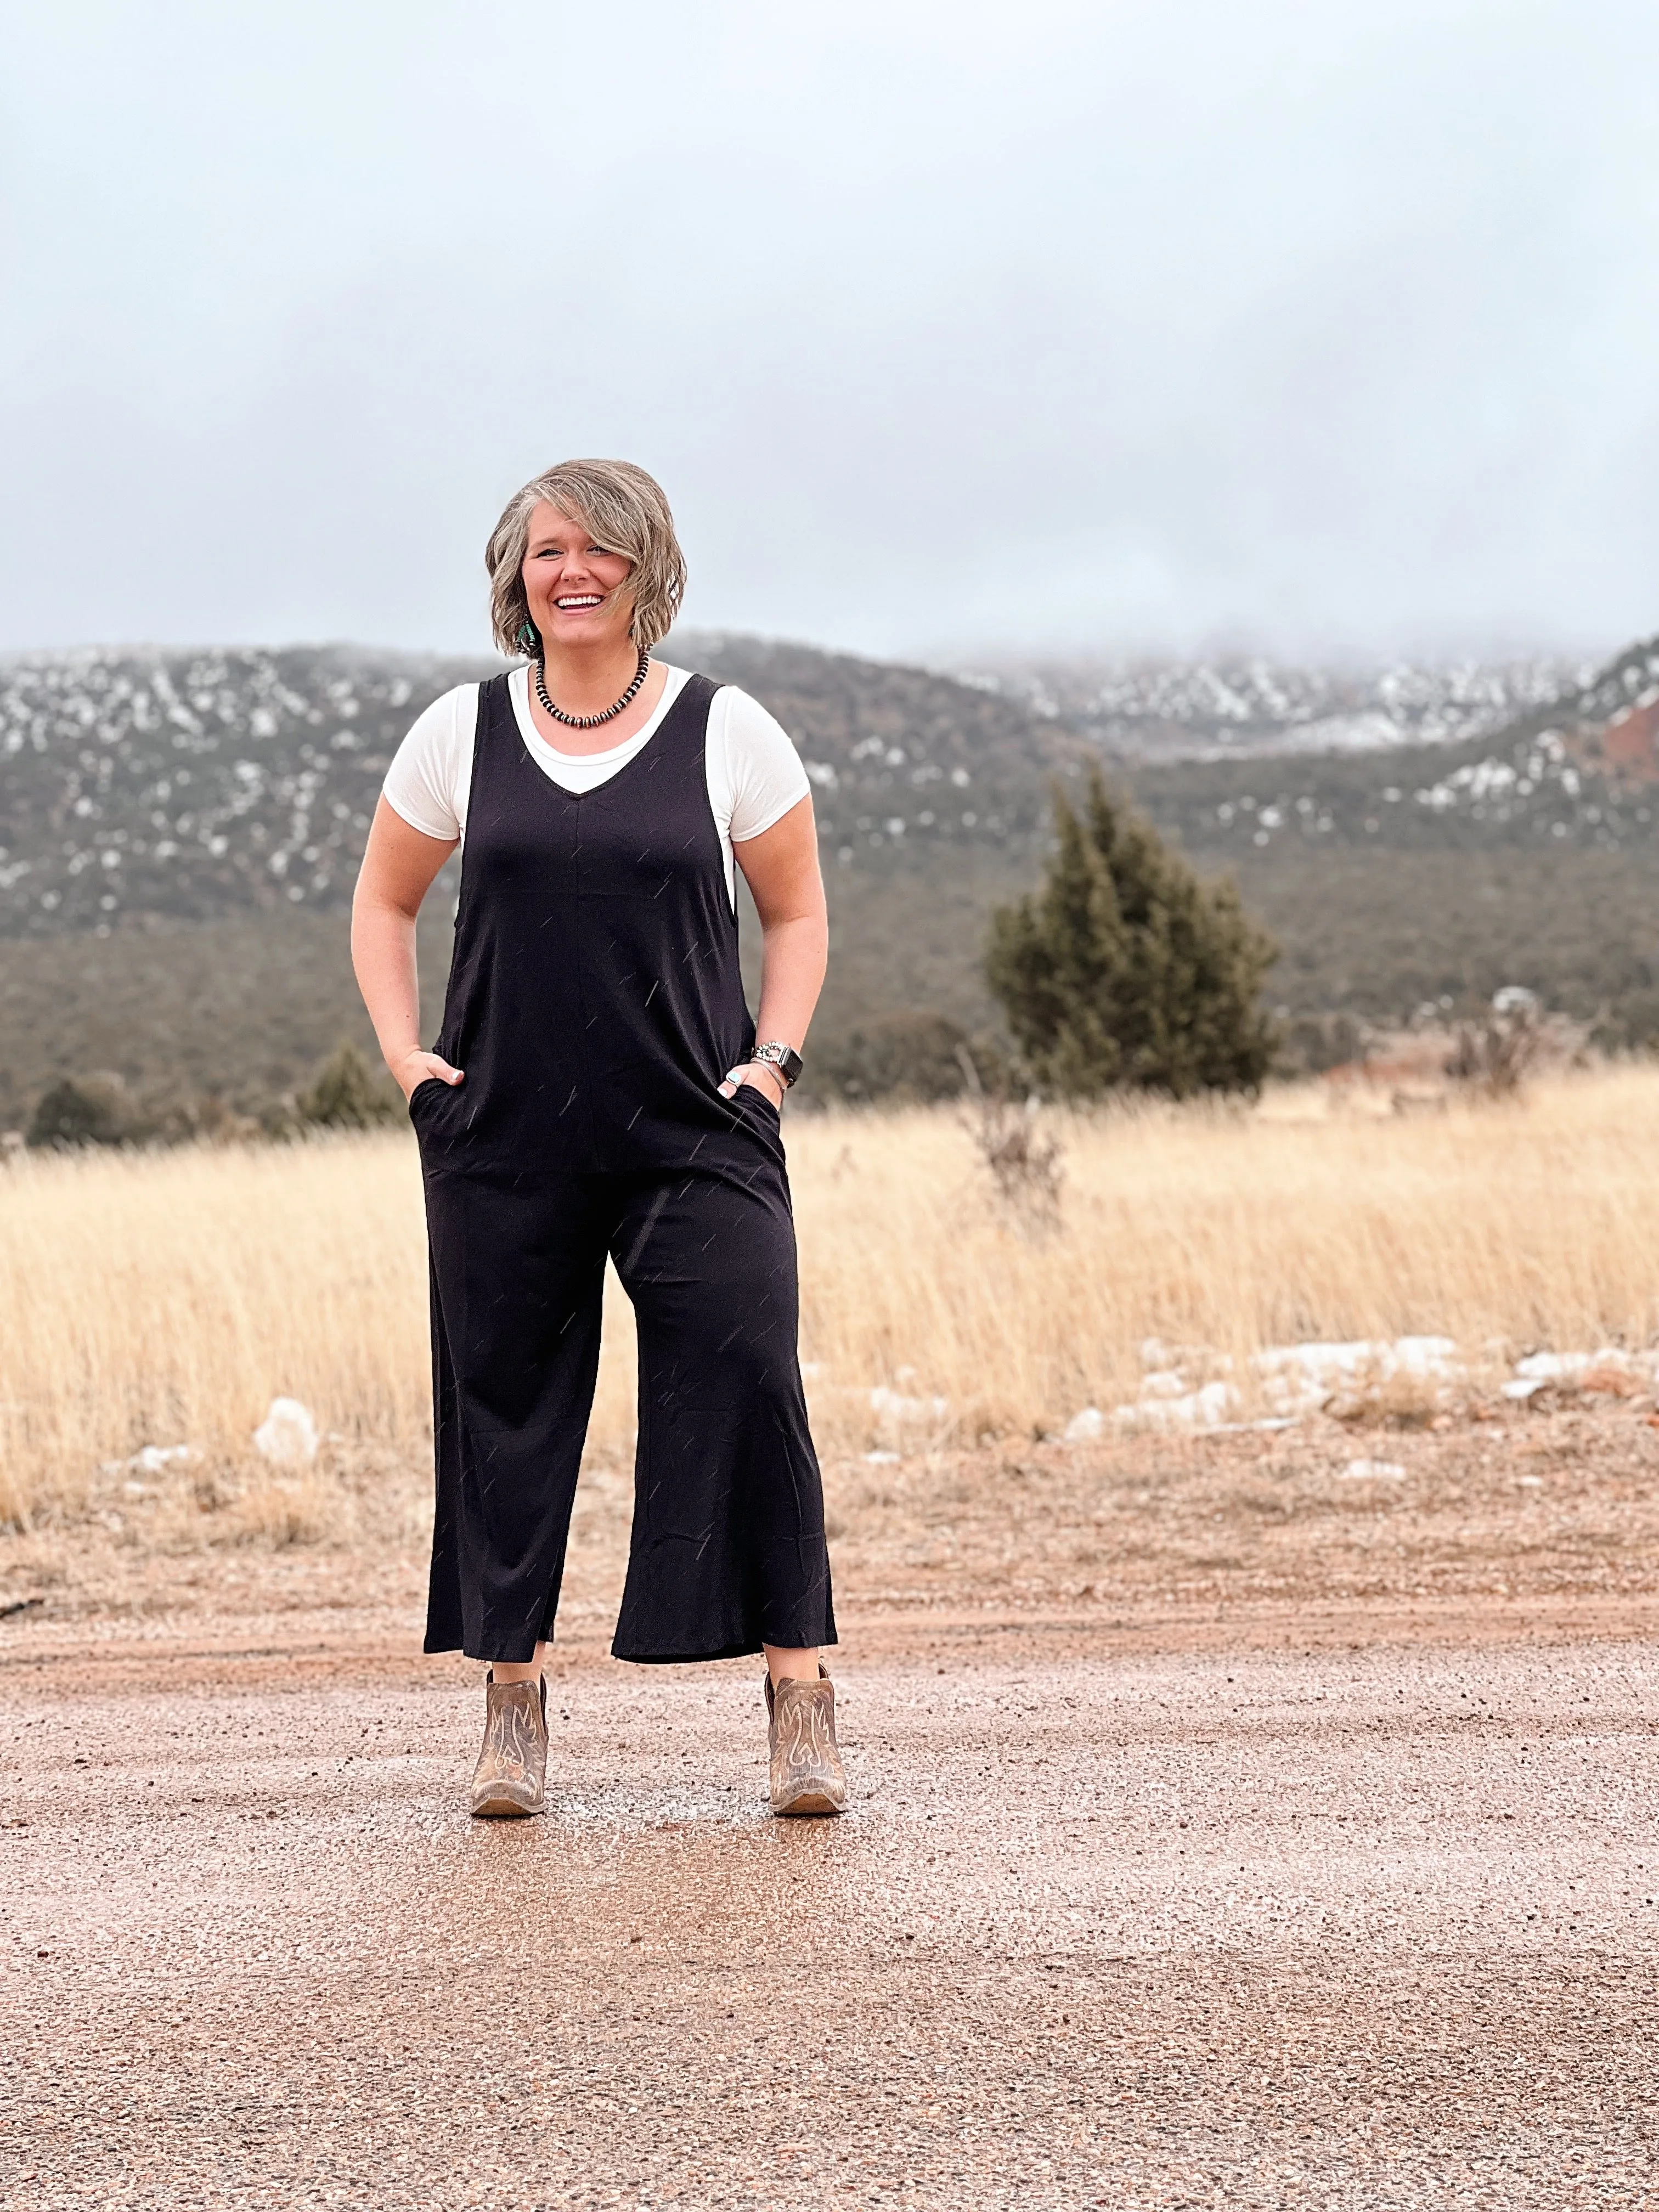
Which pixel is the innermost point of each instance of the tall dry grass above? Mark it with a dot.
(164, 1298)
(1506, 1227)
(167, 1298)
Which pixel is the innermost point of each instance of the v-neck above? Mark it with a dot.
(540, 753)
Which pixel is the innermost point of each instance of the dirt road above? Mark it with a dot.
(1267, 1927)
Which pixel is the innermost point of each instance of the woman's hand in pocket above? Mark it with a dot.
(765, 1079)
(418, 1067)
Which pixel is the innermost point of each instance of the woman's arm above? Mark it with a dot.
(397, 873)
(781, 867)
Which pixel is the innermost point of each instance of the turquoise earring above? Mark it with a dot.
(529, 640)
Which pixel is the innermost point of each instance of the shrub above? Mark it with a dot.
(1126, 969)
(1496, 1054)
(908, 1056)
(1025, 1167)
(347, 1094)
(72, 1112)
(1312, 1044)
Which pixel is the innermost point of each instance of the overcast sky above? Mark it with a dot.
(951, 329)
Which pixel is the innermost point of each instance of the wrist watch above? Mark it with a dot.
(783, 1059)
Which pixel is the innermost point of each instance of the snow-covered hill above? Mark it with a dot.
(186, 785)
(183, 785)
(1153, 710)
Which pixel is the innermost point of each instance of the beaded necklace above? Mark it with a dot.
(590, 721)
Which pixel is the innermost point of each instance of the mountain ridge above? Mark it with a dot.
(1158, 711)
(182, 830)
(149, 784)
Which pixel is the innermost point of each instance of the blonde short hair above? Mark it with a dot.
(628, 514)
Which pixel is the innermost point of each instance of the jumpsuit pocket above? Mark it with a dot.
(753, 1090)
(425, 1082)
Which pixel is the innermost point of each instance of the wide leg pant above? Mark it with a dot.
(728, 1544)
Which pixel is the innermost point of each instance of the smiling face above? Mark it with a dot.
(577, 587)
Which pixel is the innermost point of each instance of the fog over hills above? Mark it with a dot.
(1158, 710)
(181, 831)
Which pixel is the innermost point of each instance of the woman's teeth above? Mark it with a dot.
(574, 605)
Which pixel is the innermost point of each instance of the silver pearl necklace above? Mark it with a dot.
(591, 721)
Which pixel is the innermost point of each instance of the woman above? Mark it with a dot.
(598, 1088)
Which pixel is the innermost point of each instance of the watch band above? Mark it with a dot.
(784, 1059)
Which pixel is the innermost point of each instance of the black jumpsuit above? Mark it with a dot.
(594, 1006)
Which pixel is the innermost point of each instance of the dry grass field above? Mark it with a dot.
(1245, 1814)
(950, 1334)
(166, 1298)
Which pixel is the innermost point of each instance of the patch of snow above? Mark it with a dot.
(1301, 1378)
(153, 1458)
(893, 1406)
(288, 1435)
(1610, 1369)
(1162, 1382)
(150, 1459)
(1207, 1408)
(1551, 1366)
(1427, 1355)
(1298, 1379)
(1539, 1371)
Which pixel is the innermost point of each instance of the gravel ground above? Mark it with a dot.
(1266, 1921)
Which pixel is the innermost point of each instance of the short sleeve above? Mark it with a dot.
(767, 778)
(431, 771)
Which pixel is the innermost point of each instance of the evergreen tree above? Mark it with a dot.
(1126, 969)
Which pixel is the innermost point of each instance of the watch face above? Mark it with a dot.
(783, 1057)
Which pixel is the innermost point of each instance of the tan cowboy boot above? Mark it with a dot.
(808, 1775)
(510, 1779)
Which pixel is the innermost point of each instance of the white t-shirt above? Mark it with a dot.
(753, 773)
